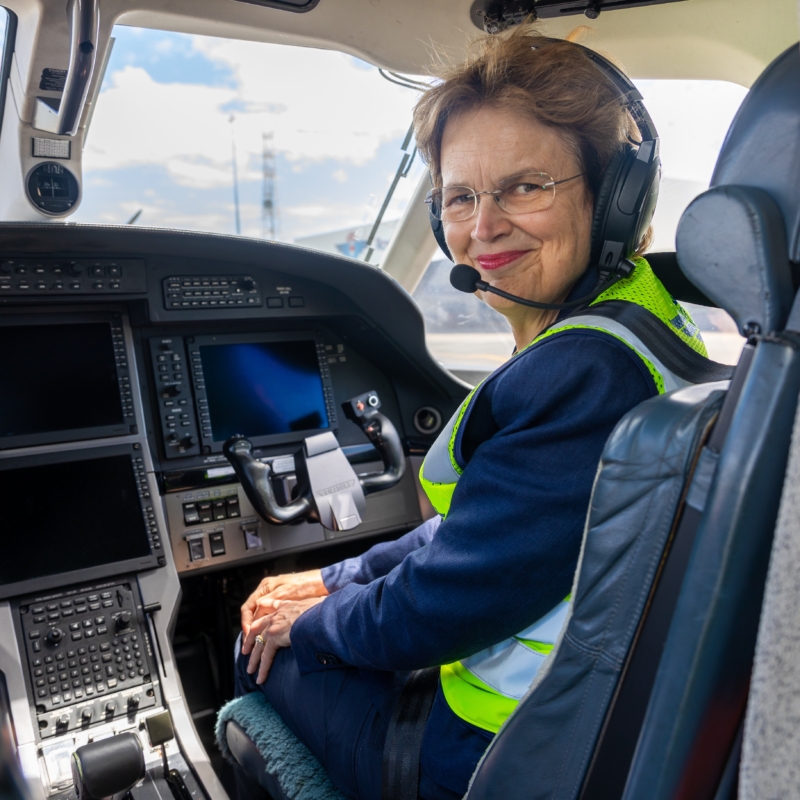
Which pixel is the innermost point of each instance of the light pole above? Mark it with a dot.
(235, 177)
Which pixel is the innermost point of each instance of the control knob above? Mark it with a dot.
(170, 391)
(248, 284)
(86, 716)
(55, 635)
(133, 702)
(62, 723)
(123, 620)
(111, 707)
(75, 268)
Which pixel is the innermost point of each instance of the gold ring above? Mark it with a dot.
(260, 639)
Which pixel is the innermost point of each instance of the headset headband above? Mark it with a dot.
(631, 97)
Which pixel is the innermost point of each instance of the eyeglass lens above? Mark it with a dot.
(533, 191)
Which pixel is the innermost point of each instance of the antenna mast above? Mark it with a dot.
(269, 201)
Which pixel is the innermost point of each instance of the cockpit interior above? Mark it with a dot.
(183, 413)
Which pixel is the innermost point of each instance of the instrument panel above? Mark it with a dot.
(171, 343)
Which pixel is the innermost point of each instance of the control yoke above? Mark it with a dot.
(329, 491)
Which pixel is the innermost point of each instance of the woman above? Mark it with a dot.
(517, 140)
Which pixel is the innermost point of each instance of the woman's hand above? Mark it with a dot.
(293, 586)
(274, 628)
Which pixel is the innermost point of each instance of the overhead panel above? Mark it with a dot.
(496, 15)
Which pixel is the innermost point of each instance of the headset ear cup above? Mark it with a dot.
(609, 188)
(438, 232)
(649, 205)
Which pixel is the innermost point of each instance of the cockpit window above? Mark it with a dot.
(286, 143)
(7, 30)
(692, 118)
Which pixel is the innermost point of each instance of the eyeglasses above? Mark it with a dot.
(520, 194)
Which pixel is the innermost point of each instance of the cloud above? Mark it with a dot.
(139, 121)
(320, 105)
(340, 175)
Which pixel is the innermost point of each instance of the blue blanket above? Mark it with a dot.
(300, 775)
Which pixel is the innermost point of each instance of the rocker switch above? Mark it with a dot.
(196, 550)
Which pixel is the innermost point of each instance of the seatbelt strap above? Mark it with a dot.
(401, 752)
(677, 356)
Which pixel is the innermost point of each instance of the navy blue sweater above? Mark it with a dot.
(506, 553)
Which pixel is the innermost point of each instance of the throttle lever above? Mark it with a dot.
(364, 411)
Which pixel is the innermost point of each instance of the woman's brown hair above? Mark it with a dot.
(521, 71)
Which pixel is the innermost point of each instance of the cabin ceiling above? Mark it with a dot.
(713, 39)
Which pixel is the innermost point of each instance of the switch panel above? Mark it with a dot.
(176, 409)
(37, 277)
(211, 291)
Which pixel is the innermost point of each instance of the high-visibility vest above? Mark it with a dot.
(486, 687)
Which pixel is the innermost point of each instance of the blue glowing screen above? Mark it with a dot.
(263, 388)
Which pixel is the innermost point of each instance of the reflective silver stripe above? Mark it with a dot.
(547, 628)
(437, 466)
(509, 667)
(671, 380)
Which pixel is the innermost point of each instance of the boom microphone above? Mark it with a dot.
(468, 279)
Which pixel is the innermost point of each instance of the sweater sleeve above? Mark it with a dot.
(378, 560)
(507, 551)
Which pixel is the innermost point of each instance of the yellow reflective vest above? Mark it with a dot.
(486, 687)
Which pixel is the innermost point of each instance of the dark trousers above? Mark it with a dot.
(341, 715)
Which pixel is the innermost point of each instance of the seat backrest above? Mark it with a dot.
(698, 700)
(736, 253)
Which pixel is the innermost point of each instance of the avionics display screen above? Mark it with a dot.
(70, 516)
(59, 377)
(263, 388)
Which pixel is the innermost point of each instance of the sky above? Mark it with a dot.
(173, 106)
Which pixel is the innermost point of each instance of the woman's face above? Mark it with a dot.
(538, 255)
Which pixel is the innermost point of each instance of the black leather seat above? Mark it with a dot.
(650, 674)
(251, 761)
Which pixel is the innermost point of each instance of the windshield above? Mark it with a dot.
(288, 143)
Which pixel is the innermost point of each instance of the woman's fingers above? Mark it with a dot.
(248, 610)
(293, 586)
(274, 643)
(258, 628)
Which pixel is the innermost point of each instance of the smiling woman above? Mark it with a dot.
(470, 340)
(316, 133)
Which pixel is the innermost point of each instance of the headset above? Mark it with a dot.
(626, 199)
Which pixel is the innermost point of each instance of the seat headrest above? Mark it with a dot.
(762, 147)
(736, 240)
(731, 244)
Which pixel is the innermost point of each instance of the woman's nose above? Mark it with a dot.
(489, 220)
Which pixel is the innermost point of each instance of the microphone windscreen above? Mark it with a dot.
(464, 278)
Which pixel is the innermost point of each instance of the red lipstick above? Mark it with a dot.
(497, 260)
